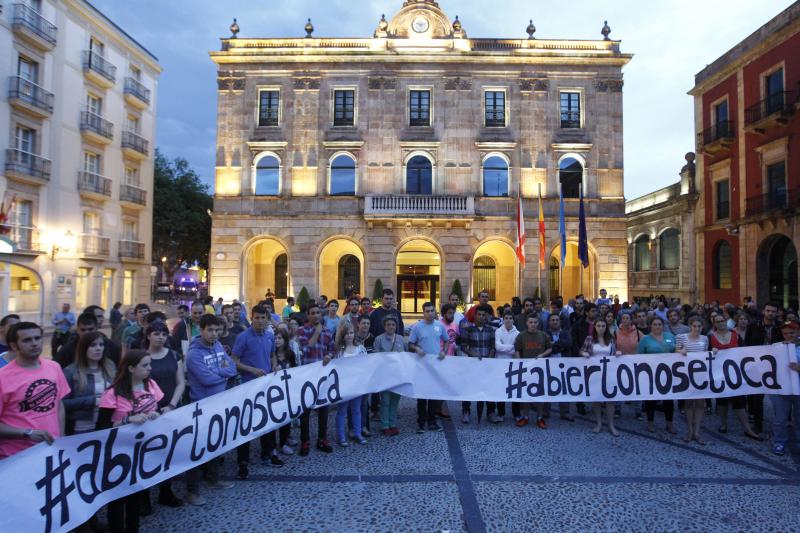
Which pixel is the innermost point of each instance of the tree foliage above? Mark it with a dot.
(181, 225)
(303, 298)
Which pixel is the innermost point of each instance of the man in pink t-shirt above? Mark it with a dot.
(450, 326)
(31, 390)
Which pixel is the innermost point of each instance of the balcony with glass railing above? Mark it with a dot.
(99, 69)
(96, 128)
(27, 167)
(132, 196)
(33, 28)
(136, 93)
(26, 96)
(134, 145)
(94, 186)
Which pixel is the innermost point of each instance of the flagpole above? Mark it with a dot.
(580, 195)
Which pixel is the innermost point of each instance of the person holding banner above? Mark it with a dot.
(389, 341)
(783, 405)
(686, 343)
(478, 341)
(316, 344)
(533, 343)
(88, 377)
(429, 336)
(346, 346)
(656, 342)
(601, 343)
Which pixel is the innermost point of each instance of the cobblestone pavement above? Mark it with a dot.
(503, 478)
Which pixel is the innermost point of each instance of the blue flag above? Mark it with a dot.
(583, 243)
(562, 229)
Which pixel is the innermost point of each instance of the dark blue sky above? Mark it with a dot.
(671, 40)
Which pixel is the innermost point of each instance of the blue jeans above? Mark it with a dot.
(354, 408)
(783, 405)
(389, 401)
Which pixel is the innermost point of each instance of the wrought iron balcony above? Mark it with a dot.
(29, 97)
(96, 127)
(134, 143)
(137, 90)
(774, 109)
(131, 194)
(718, 137)
(131, 249)
(94, 245)
(94, 185)
(33, 27)
(99, 68)
(26, 239)
(410, 205)
(27, 167)
(779, 200)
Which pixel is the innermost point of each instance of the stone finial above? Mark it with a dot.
(234, 29)
(605, 31)
(531, 29)
(309, 28)
(456, 25)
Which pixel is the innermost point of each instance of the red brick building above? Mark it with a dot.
(747, 115)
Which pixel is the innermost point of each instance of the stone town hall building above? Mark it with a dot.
(399, 157)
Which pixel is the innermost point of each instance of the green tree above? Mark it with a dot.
(458, 291)
(377, 293)
(181, 224)
(303, 298)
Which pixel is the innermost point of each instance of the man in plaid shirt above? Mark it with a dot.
(316, 344)
(477, 340)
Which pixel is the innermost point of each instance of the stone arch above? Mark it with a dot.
(502, 252)
(258, 271)
(777, 272)
(328, 254)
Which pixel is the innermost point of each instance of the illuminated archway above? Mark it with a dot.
(21, 292)
(341, 269)
(267, 267)
(498, 275)
(419, 268)
(572, 279)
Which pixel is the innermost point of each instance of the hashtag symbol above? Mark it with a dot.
(515, 382)
(51, 501)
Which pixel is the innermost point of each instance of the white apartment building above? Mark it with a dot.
(77, 132)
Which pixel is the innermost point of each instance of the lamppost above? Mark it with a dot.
(163, 271)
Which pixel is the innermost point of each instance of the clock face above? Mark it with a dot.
(420, 24)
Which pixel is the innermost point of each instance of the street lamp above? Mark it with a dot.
(163, 271)
(63, 245)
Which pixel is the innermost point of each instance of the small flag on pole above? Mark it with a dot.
(520, 250)
(541, 230)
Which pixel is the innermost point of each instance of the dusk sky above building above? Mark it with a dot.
(671, 42)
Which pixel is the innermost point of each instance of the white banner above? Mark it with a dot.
(58, 487)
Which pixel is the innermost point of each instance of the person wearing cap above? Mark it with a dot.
(782, 404)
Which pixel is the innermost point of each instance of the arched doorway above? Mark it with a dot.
(341, 270)
(777, 271)
(21, 292)
(572, 279)
(494, 269)
(419, 267)
(267, 268)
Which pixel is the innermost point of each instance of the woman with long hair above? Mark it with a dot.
(88, 378)
(283, 358)
(742, 321)
(656, 342)
(686, 343)
(347, 346)
(601, 342)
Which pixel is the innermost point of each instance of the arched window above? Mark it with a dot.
(343, 176)
(419, 175)
(484, 276)
(495, 176)
(555, 278)
(268, 176)
(349, 276)
(570, 175)
(641, 253)
(281, 276)
(669, 250)
(722, 266)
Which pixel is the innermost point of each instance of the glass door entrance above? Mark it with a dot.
(413, 291)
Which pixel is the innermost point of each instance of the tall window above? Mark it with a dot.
(773, 91)
(25, 139)
(349, 276)
(344, 107)
(129, 232)
(484, 276)
(776, 185)
(268, 176)
(135, 72)
(343, 176)
(281, 276)
(570, 174)
(554, 277)
(91, 223)
(495, 109)
(419, 108)
(722, 266)
(91, 162)
(82, 287)
(128, 286)
(21, 219)
(495, 176)
(669, 249)
(419, 176)
(269, 108)
(132, 124)
(28, 70)
(641, 253)
(570, 109)
(97, 47)
(131, 176)
(721, 123)
(723, 199)
(94, 104)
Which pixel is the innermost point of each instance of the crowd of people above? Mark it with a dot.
(145, 368)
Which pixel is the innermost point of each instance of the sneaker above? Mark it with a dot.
(243, 472)
(220, 485)
(275, 461)
(286, 450)
(443, 415)
(420, 427)
(291, 441)
(350, 434)
(305, 448)
(541, 424)
(395, 431)
(361, 440)
(387, 432)
(344, 443)
(779, 449)
(192, 498)
(324, 446)
(365, 432)
(465, 418)
(522, 422)
(434, 426)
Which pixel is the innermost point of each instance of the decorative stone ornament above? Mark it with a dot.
(605, 31)
(234, 29)
(456, 24)
(309, 28)
(420, 24)
(531, 29)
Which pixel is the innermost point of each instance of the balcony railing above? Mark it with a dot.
(571, 119)
(27, 18)
(773, 201)
(721, 131)
(137, 89)
(94, 183)
(30, 93)
(131, 249)
(97, 63)
(408, 205)
(134, 142)
(94, 245)
(25, 238)
(95, 123)
(28, 164)
(774, 104)
(132, 194)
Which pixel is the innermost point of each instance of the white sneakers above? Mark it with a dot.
(286, 450)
